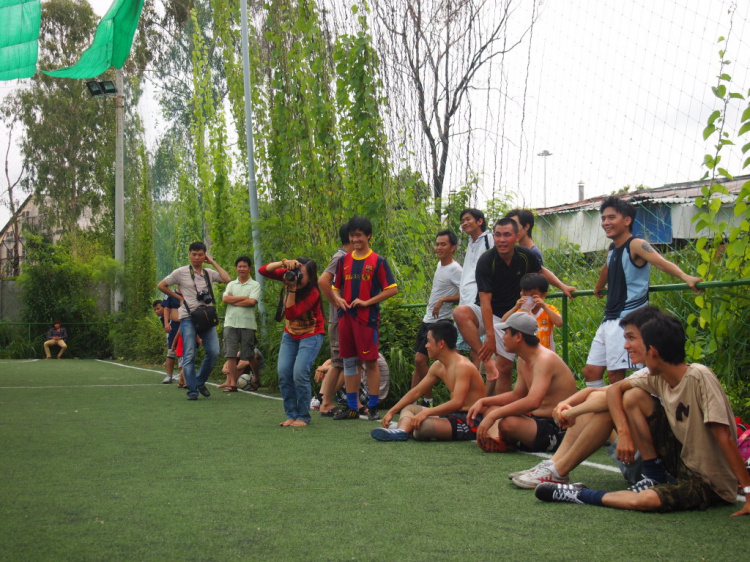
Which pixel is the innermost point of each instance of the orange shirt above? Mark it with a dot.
(545, 330)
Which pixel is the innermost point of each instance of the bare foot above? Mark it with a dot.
(223, 385)
(298, 423)
(286, 423)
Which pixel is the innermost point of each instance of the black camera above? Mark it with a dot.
(204, 296)
(293, 275)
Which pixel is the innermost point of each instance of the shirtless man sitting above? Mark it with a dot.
(523, 417)
(446, 422)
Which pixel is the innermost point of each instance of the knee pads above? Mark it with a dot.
(350, 366)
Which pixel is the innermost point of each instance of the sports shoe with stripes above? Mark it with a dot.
(644, 484)
(383, 434)
(512, 475)
(549, 492)
(347, 414)
(539, 475)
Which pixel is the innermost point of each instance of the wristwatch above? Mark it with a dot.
(746, 491)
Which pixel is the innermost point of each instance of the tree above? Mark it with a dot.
(68, 142)
(432, 52)
(11, 202)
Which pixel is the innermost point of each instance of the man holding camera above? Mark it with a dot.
(194, 282)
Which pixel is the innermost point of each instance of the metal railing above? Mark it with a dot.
(590, 293)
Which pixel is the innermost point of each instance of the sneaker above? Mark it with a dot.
(549, 492)
(382, 434)
(644, 484)
(167, 380)
(192, 397)
(373, 415)
(425, 404)
(347, 414)
(204, 391)
(512, 475)
(539, 475)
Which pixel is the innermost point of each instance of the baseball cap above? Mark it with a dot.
(522, 322)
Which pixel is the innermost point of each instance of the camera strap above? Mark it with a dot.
(208, 284)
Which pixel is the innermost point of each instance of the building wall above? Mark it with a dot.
(10, 301)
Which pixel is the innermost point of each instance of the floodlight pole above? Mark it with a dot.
(119, 189)
(252, 186)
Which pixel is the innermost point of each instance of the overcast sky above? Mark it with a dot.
(617, 90)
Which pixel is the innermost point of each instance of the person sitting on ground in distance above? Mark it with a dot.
(333, 380)
(444, 295)
(534, 289)
(446, 422)
(523, 417)
(56, 336)
(680, 420)
(245, 367)
(585, 416)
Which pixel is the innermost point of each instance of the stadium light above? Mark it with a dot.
(106, 88)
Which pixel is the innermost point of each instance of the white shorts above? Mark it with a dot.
(608, 348)
(499, 343)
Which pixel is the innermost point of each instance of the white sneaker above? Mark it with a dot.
(539, 475)
(545, 462)
(167, 380)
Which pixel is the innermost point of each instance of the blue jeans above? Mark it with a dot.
(211, 346)
(295, 361)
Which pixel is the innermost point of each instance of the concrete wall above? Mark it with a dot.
(10, 301)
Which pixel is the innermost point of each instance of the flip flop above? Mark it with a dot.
(230, 389)
(255, 385)
(330, 413)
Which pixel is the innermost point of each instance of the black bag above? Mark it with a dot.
(204, 317)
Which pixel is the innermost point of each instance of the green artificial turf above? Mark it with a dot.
(101, 462)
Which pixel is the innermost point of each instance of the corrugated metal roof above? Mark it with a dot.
(676, 193)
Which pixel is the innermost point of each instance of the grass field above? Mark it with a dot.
(101, 462)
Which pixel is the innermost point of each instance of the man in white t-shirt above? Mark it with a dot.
(474, 224)
(445, 293)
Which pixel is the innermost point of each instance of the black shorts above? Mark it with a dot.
(420, 345)
(688, 491)
(461, 431)
(549, 435)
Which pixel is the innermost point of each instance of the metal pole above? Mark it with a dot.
(119, 189)
(544, 153)
(251, 184)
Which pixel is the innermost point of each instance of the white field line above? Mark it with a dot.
(162, 372)
(74, 386)
(18, 361)
(584, 463)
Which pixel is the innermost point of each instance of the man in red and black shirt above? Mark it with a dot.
(363, 279)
